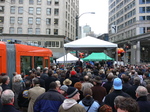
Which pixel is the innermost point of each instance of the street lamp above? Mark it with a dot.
(77, 19)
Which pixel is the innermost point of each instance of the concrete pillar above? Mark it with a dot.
(133, 53)
(138, 53)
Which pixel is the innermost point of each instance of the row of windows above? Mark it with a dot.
(129, 6)
(30, 31)
(144, 18)
(144, 30)
(49, 2)
(144, 1)
(52, 44)
(68, 18)
(31, 20)
(119, 6)
(144, 9)
(31, 10)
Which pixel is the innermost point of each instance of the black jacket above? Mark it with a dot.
(109, 99)
(144, 105)
(9, 108)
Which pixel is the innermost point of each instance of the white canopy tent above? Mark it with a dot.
(90, 44)
(68, 58)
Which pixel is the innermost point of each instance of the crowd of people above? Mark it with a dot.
(92, 88)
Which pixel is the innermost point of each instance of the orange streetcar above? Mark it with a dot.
(22, 58)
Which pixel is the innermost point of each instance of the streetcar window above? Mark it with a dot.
(26, 64)
(38, 61)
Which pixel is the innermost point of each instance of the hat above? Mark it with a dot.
(73, 72)
(71, 92)
(67, 82)
(117, 83)
(97, 79)
(64, 88)
(38, 67)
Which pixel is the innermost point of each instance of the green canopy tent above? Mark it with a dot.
(97, 57)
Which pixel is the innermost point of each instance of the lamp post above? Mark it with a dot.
(77, 21)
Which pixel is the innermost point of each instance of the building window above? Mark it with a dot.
(56, 11)
(30, 31)
(20, 1)
(13, 1)
(12, 9)
(49, 2)
(11, 30)
(48, 11)
(56, 2)
(31, 1)
(148, 9)
(39, 1)
(48, 21)
(52, 44)
(142, 1)
(48, 31)
(20, 20)
(55, 31)
(30, 10)
(37, 31)
(55, 21)
(12, 20)
(148, 17)
(30, 20)
(20, 10)
(1, 19)
(1, 8)
(19, 30)
(38, 21)
(147, 1)
(38, 10)
(1, 30)
(142, 18)
(142, 10)
(142, 30)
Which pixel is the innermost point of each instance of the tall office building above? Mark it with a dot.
(129, 20)
(34, 18)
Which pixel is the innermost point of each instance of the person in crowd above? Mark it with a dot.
(49, 79)
(126, 83)
(79, 65)
(38, 69)
(42, 82)
(5, 82)
(34, 92)
(127, 105)
(108, 85)
(0, 98)
(63, 90)
(121, 72)
(73, 78)
(146, 79)
(105, 108)
(50, 100)
(102, 74)
(7, 100)
(117, 101)
(141, 94)
(14, 74)
(86, 83)
(17, 86)
(44, 76)
(63, 76)
(67, 82)
(148, 89)
(23, 97)
(98, 91)
(88, 102)
(78, 85)
(117, 85)
(70, 104)
(131, 90)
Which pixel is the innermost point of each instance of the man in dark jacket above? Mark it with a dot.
(74, 78)
(7, 100)
(141, 94)
(23, 97)
(49, 101)
(109, 99)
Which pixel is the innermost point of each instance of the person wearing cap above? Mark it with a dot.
(74, 78)
(70, 104)
(109, 99)
(63, 90)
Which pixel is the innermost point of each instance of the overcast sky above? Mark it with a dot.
(97, 21)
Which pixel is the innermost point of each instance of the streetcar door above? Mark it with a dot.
(38, 62)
